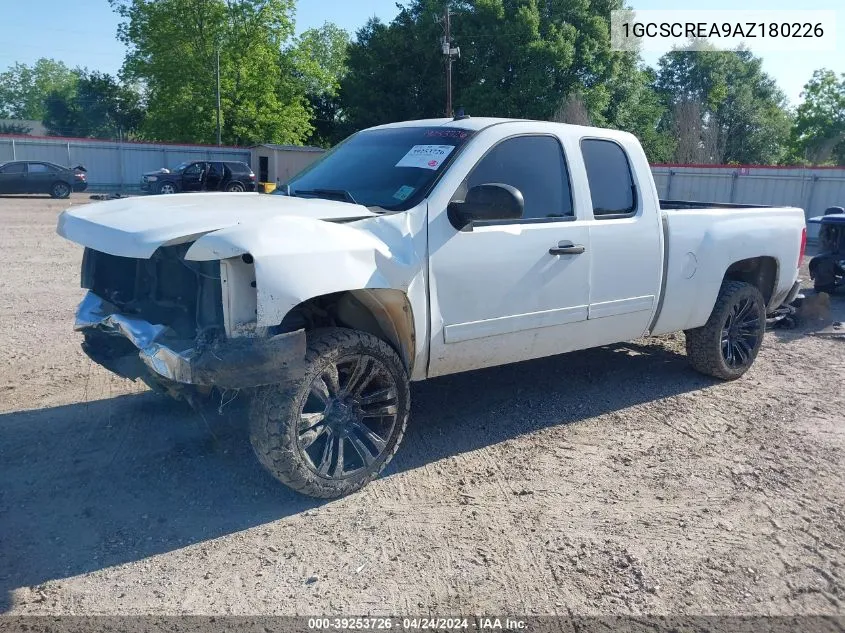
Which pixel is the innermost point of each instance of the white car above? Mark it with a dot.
(415, 250)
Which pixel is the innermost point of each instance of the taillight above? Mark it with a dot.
(252, 176)
(803, 246)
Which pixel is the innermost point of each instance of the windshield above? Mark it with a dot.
(180, 167)
(392, 168)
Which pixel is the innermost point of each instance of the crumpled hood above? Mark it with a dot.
(136, 227)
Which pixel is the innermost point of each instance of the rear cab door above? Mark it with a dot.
(216, 176)
(40, 177)
(626, 237)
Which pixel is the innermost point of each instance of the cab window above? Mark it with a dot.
(533, 164)
(609, 176)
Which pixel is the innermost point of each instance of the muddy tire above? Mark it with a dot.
(726, 346)
(339, 425)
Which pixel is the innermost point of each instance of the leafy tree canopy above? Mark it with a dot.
(320, 56)
(173, 48)
(819, 132)
(24, 88)
(519, 58)
(741, 108)
(99, 107)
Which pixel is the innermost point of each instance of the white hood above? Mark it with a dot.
(136, 227)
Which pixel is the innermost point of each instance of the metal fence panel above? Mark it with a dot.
(812, 189)
(113, 166)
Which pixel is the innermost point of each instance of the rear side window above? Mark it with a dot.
(611, 182)
(14, 168)
(40, 168)
(238, 168)
(534, 165)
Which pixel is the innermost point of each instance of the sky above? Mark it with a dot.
(82, 33)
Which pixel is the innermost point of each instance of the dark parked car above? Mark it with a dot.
(201, 176)
(37, 176)
(827, 269)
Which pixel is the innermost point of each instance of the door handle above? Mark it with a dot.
(567, 248)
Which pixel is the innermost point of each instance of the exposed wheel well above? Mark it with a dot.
(382, 312)
(761, 272)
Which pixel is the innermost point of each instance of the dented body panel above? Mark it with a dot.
(232, 364)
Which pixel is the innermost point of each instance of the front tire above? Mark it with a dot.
(166, 188)
(338, 426)
(725, 347)
(60, 190)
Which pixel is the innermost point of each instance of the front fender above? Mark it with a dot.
(298, 258)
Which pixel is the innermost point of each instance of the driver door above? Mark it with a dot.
(503, 291)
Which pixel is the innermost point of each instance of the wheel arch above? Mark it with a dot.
(386, 313)
(761, 272)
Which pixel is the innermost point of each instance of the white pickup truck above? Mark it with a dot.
(415, 250)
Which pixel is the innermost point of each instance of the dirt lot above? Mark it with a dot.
(613, 481)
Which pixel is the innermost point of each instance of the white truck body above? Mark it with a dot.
(505, 241)
(479, 298)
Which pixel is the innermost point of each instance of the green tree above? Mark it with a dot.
(14, 128)
(637, 108)
(100, 107)
(743, 112)
(519, 58)
(818, 135)
(23, 88)
(173, 48)
(320, 55)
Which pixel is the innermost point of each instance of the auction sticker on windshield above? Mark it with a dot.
(404, 192)
(426, 156)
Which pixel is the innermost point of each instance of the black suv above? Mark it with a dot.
(36, 176)
(201, 176)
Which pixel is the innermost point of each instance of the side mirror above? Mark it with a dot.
(492, 201)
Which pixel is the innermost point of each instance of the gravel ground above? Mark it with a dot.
(611, 481)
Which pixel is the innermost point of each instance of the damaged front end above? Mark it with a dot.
(161, 320)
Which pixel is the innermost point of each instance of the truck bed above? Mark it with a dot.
(669, 205)
(703, 241)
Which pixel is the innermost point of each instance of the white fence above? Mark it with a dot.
(112, 166)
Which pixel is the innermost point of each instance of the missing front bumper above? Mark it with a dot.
(231, 364)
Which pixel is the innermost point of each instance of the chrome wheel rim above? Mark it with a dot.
(61, 190)
(348, 417)
(167, 189)
(740, 333)
(236, 188)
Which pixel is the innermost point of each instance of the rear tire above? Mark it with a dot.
(235, 187)
(334, 429)
(725, 347)
(60, 190)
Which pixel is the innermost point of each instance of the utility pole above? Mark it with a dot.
(218, 95)
(449, 52)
